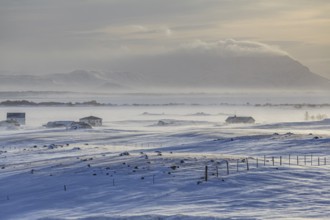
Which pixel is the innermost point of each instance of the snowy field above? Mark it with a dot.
(87, 174)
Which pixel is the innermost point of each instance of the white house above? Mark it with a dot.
(17, 116)
(92, 120)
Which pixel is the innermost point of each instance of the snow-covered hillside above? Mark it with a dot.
(133, 168)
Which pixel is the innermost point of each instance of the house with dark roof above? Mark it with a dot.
(19, 117)
(92, 120)
(240, 120)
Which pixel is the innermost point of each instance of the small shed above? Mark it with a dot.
(58, 124)
(240, 120)
(79, 125)
(92, 120)
(19, 117)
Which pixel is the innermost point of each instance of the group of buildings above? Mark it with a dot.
(15, 119)
(83, 123)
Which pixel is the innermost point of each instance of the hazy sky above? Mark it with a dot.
(44, 36)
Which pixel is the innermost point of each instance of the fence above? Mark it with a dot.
(227, 167)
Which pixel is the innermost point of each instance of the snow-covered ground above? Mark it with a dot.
(65, 174)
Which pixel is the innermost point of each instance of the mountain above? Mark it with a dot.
(78, 80)
(83, 80)
(223, 65)
(10, 82)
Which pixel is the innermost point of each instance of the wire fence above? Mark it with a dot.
(231, 166)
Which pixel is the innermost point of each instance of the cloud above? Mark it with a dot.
(231, 47)
(87, 32)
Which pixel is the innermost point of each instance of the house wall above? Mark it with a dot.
(21, 121)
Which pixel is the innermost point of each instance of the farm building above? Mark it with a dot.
(19, 117)
(240, 120)
(58, 124)
(79, 125)
(92, 120)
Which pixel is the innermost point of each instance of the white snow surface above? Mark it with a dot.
(63, 174)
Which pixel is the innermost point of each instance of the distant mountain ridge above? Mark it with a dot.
(78, 80)
(242, 72)
(225, 65)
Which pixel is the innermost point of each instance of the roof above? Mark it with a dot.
(91, 118)
(235, 119)
(16, 114)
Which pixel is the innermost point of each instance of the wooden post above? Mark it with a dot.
(280, 160)
(273, 161)
(217, 172)
(297, 160)
(247, 164)
(205, 175)
(305, 159)
(227, 167)
(257, 162)
(311, 159)
(289, 159)
(318, 161)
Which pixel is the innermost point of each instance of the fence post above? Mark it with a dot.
(247, 164)
(257, 162)
(273, 161)
(318, 161)
(311, 159)
(280, 160)
(289, 159)
(297, 160)
(205, 176)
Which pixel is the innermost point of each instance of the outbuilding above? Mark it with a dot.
(240, 120)
(19, 117)
(92, 120)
